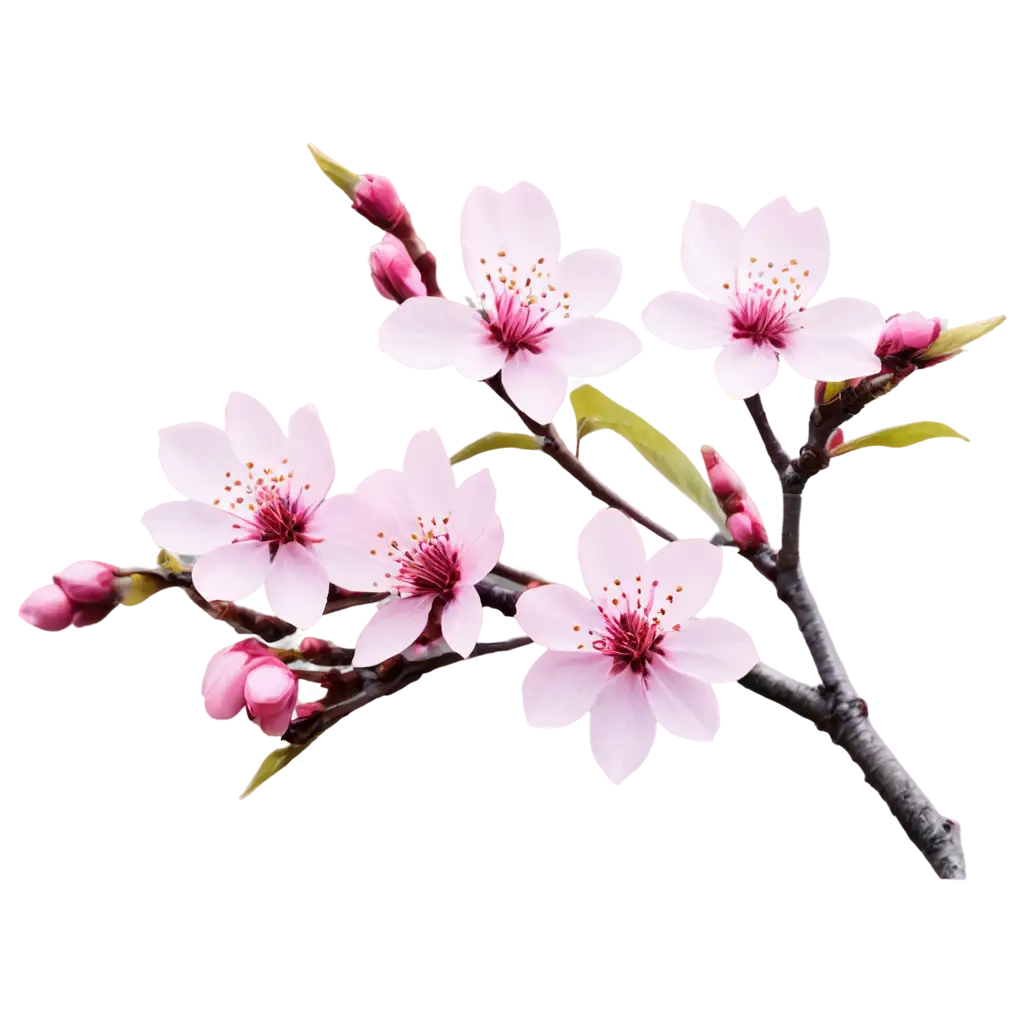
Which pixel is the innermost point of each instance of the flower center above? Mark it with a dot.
(522, 298)
(762, 305)
(428, 566)
(270, 506)
(633, 636)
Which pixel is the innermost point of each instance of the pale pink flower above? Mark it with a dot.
(633, 654)
(415, 535)
(251, 513)
(535, 317)
(758, 281)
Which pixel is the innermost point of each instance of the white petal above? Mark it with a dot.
(462, 620)
(611, 557)
(558, 617)
(393, 628)
(297, 585)
(779, 235)
(622, 727)
(710, 250)
(561, 687)
(480, 358)
(428, 332)
(233, 571)
(830, 358)
(688, 321)
(684, 706)
(714, 650)
(591, 346)
(845, 315)
(687, 572)
(536, 385)
(590, 276)
(189, 527)
(199, 462)
(743, 369)
(254, 433)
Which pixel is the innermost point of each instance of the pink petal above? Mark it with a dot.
(233, 571)
(611, 557)
(558, 617)
(561, 687)
(622, 727)
(714, 650)
(387, 492)
(688, 321)
(743, 369)
(462, 620)
(276, 724)
(224, 683)
(393, 628)
(710, 251)
(536, 385)
(309, 454)
(473, 508)
(189, 527)
(479, 557)
(355, 538)
(590, 276)
(353, 567)
(685, 707)
(428, 475)
(197, 459)
(591, 347)
(428, 332)
(479, 358)
(297, 585)
(780, 235)
(695, 565)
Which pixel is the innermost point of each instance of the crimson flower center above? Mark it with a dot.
(761, 319)
(634, 636)
(431, 568)
(520, 303)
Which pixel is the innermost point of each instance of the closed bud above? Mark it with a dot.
(906, 334)
(271, 692)
(87, 582)
(835, 439)
(48, 608)
(747, 529)
(224, 680)
(377, 200)
(393, 272)
(724, 480)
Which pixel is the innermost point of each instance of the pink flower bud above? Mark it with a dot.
(393, 272)
(87, 582)
(747, 529)
(819, 392)
(907, 333)
(724, 480)
(377, 200)
(312, 647)
(224, 680)
(835, 439)
(271, 691)
(48, 608)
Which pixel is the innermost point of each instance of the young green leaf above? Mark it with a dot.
(596, 411)
(272, 764)
(489, 442)
(951, 340)
(898, 437)
(833, 389)
(345, 179)
(168, 561)
(141, 587)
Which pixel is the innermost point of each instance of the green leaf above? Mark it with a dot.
(341, 176)
(898, 437)
(954, 338)
(168, 561)
(143, 586)
(596, 411)
(272, 764)
(489, 442)
(832, 390)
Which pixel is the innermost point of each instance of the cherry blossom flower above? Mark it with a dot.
(415, 535)
(758, 281)
(249, 675)
(251, 509)
(633, 655)
(535, 315)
